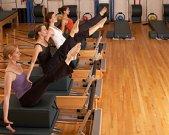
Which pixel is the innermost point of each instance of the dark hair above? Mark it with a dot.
(62, 9)
(47, 18)
(9, 49)
(38, 28)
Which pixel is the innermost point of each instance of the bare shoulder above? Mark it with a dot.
(50, 30)
(64, 21)
(10, 75)
(38, 47)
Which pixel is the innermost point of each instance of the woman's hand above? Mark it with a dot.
(11, 129)
(102, 22)
(28, 80)
(7, 121)
(8, 126)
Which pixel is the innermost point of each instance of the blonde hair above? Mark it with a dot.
(9, 49)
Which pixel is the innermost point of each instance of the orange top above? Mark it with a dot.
(69, 25)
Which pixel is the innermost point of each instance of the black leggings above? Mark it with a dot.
(83, 32)
(88, 24)
(33, 96)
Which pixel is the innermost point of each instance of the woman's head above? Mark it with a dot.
(51, 17)
(64, 10)
(11, 52)
(40, 31)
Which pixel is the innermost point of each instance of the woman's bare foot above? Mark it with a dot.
(73, 53)
(75, 28)
(75, 50)
(103, 11)
(102, 22)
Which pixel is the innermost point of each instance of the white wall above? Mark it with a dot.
(54, 5)
(88, 6)
(8, 4)
(121, 6)
(155, 8)
(166, 1)
(103, 1)
(71, 2)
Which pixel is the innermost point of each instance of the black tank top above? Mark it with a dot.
(44, 57)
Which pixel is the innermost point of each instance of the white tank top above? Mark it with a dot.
(58, 37)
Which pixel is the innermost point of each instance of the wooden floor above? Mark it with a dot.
(135, 97)
(136, 86)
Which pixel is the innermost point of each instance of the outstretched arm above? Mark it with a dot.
(7, 91)
(50, 33)
(38, 49)
(63, 25)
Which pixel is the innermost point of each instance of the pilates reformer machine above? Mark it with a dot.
(85, 63)
(88, 49)
(49, 115)
(122, 28)
(159, 28)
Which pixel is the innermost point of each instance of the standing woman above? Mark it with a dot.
(29, 94)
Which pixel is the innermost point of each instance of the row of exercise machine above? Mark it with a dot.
(121, 28)
(80, 92)
(159, 28)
